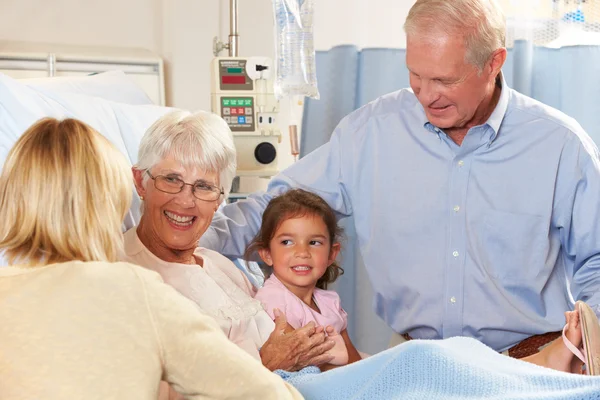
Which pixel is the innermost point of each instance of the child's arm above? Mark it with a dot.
(350, 351)
(353, 354)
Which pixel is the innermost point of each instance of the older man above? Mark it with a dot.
(475, 207)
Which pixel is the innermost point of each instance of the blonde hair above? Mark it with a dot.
(482, 23)
(64, 191)
(198, 140)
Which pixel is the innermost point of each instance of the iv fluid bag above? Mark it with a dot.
(295, 49)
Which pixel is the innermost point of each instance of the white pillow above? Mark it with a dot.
(111, 85)
(122, 124)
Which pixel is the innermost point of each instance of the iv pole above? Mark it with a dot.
(234, 37)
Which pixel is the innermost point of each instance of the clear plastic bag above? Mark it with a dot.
(295, 49)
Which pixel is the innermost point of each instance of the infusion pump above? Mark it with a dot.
(242, 94)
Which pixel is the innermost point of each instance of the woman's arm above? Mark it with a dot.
(198, 359)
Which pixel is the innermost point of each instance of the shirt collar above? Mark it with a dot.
(495, 119)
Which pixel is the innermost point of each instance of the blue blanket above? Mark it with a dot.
(457, 368)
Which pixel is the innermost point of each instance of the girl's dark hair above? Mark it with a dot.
(297, 203)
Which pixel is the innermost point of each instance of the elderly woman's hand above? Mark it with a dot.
(292, 350)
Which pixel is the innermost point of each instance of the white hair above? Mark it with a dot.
(197, 140)
(482, 23)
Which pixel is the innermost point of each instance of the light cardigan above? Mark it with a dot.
(111, 331)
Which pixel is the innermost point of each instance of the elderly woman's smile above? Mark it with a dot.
(179, 221)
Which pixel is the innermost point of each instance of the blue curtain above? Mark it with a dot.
(567, 79)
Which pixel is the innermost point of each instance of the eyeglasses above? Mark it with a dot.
(200, 190)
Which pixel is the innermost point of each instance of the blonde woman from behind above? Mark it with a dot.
(76, 323)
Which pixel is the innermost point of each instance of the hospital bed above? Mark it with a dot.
(109, 102)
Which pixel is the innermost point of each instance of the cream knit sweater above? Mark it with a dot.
(111, 331)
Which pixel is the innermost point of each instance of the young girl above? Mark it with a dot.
(299, 241)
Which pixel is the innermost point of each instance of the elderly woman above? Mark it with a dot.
(76, 324)
(186, 162)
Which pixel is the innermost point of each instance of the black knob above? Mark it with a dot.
(265, 153)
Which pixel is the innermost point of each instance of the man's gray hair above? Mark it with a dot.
(482, 23)
(197, 140)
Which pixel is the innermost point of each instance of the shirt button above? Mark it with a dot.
(455, 253)
(452, 299)
(461, 163)
(456, 208)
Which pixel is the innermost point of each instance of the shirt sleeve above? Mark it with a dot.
(322, 172)
(272, 297)
(335, 304)
(198, 360)
(577, 214)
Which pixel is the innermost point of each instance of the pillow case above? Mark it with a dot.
(111, 85)
(122, 124)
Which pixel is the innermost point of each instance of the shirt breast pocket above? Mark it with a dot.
(514, 247)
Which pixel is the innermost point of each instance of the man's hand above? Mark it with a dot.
(292, 350)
